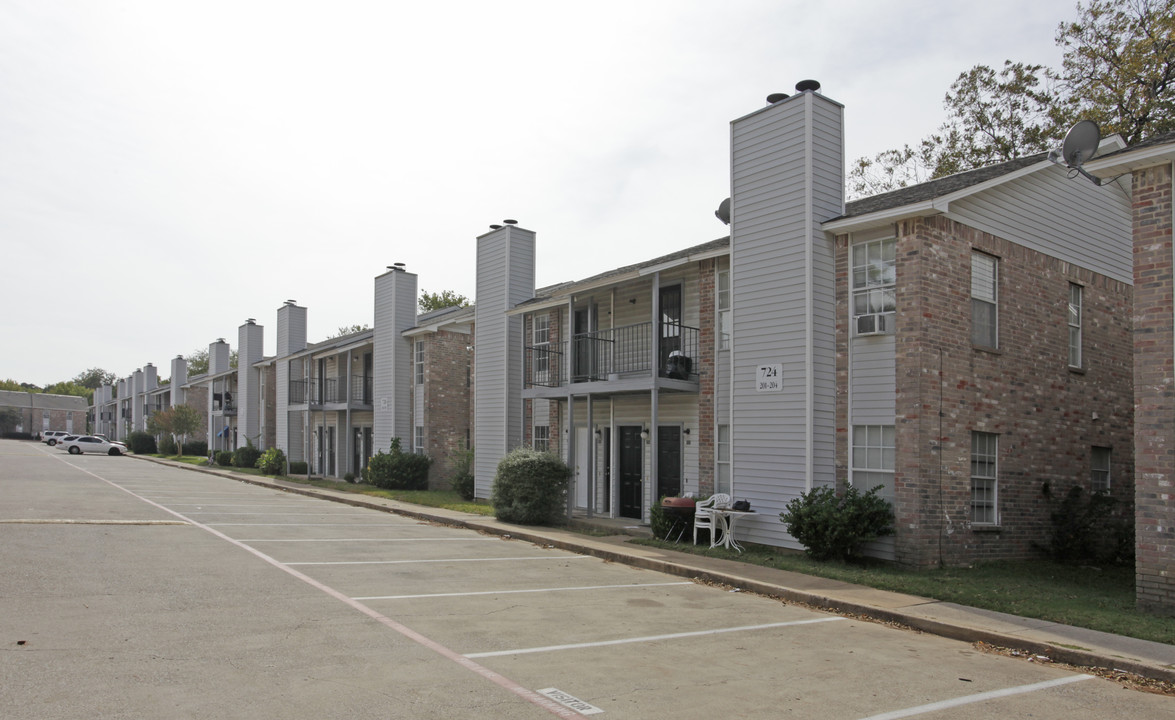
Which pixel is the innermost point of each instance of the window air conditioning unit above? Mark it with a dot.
(876, 324)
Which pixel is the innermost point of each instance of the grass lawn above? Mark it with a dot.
(1094, 598)
(446, 499)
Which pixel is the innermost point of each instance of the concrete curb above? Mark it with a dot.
(585, 545)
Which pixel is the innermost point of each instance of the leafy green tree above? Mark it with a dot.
(177, 421)
(69, 387)
(1118, 70)
(95, 378)
(9, 419)
(445, 298)
(197, 362)
(14, 386)
(1119, 66)
(349, 330)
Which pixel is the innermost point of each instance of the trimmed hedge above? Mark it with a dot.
(299, 467)
(167, 446)
(246, 457)
(834, 527)
(397, 470)
(141, 443)
(223, 458)
(530, 487)
(196, 447)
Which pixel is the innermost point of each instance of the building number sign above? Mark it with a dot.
(769, 378)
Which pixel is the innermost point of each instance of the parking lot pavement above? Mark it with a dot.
(278, 604)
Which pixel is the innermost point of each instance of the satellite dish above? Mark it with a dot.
(723, 211)
(1080, 143)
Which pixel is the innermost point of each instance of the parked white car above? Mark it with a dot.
(52, 437)
(91, 444)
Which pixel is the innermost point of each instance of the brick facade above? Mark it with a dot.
(1047, 416)
(707, 334)
(1154, 370)
(447, 392)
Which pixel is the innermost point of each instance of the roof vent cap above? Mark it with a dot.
(776, 97)
(806, 85)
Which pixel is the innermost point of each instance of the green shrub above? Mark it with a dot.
(530, 487)
(246, 457)
(299, 467)
(272, 462)
(141, 443)
(223, 458)
(462, 480)
(1091, 529)
(832, 527)
(167, 446)
(397, 470)
(195, 447)
(14, 435)
(349, 477)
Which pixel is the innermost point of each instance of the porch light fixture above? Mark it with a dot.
(686, 431)
(645, 434)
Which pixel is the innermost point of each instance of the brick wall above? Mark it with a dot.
(1154, 400)
(1046, 415)
(447, 393)
(708, 326)
(197, 397)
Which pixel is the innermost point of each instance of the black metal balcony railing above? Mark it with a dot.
(361, 389)
(321, 391)
(618, 351)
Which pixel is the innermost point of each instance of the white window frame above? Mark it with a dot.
(722, 298)
(541, 438)
(418, 362)
(541, 343)
(722, 480)
(872, 458)
(418, 440)
(1100, 459)
(1076, 298)
(985, 478)
(985, 300)
(873, 276)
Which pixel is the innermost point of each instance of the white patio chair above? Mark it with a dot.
(706, 519)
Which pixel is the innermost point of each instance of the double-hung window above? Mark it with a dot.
(1099, 480)
(874, 274)
(873, 459)
(723, 310)
(542, 438)
(541, 340)
(984, 485)
(722, 460)
(984, 300)
(1074, 325)
(419, 362)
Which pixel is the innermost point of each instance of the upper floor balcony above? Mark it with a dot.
(632, 357)
(332, 391)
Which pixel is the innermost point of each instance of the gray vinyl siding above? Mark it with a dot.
(291, 338)
(505, 277)
(395, 312)
(249, 351)
(1073, 220)
(785, 181)
(872, 381)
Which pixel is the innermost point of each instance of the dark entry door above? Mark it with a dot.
(668, 461)
(582, 359)
(631, 462)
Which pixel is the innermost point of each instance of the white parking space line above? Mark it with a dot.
(390, 523)
(482, 671)
(282, 514)
(978, 697)
(412, 539)
(560, 558)
(648, 638)
(511, 592)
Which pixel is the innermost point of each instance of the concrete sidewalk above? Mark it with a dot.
(1058, 643)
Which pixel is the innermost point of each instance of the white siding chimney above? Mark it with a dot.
(787, 177)
(250, 342)
(291, 338)
(505, 277)
(395, 312)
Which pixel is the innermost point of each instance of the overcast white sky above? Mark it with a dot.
(169, 169)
